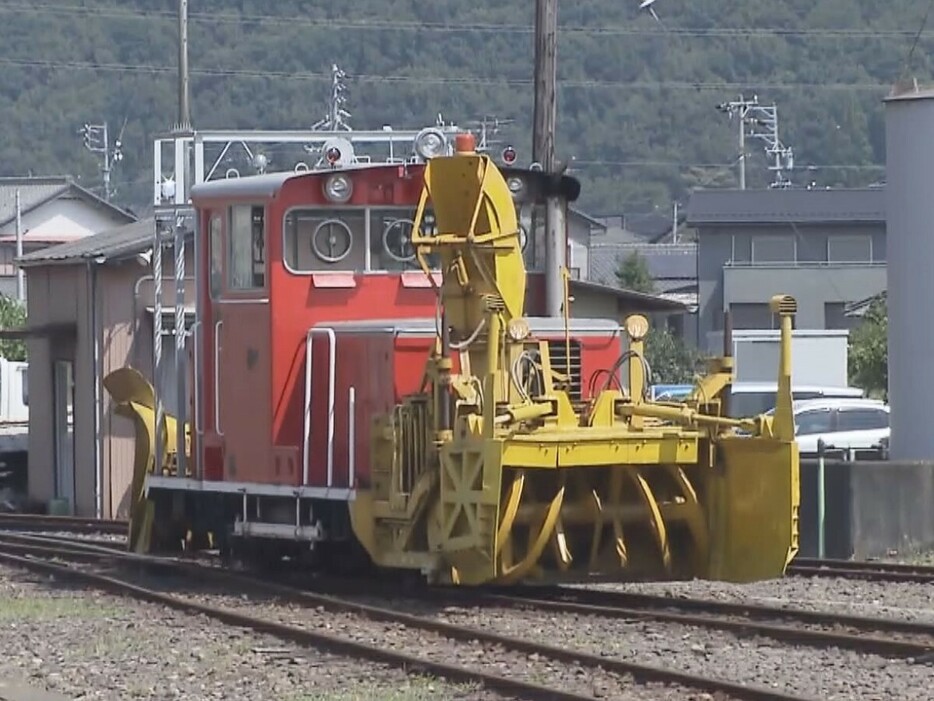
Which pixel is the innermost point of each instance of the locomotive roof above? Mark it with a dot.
(538, 325)
(267, 185)
(263, 186)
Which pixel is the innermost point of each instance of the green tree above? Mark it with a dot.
(633, 274)
(12, 316)
(869, 351)
(672, 360)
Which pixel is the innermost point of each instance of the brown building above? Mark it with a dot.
(90, 312)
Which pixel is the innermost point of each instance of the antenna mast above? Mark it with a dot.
(337, 115)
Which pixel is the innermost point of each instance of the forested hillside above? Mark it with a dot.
(636, 99)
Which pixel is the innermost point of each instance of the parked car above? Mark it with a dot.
(754, 398)
(842, 423)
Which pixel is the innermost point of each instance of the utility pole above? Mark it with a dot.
(97, 140)
(740, 108)
(184, 109)
(674, 223)
(543, 150)
(752, 114)
(180, 226)
(20, 277)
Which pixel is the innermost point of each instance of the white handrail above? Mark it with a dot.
(351, 435)
(195, 336)
(217, 378)
(332, 361)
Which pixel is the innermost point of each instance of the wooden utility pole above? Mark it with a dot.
(184, 110)
(543, 149)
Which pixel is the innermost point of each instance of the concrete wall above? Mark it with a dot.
(579, 246)
(871, 507)
(62, 293)
(728, 272)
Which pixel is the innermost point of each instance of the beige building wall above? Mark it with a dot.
(591, 304)
(60, 296)
(62, 293)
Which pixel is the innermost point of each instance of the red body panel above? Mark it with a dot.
(260, 345)
(382, 366)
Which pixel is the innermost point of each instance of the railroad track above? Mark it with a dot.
(65, 524)
(852, 569)
(908, 639)
(36, 552)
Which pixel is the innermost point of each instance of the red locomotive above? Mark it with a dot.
(353, 407)
(313, 318)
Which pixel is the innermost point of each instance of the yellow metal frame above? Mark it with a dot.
(512, 485)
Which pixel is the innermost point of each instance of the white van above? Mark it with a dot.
(14, 406)
(754, 398)
(842, 424)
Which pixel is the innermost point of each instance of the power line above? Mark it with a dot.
(577, 164)
(447, 80)
(468, 27)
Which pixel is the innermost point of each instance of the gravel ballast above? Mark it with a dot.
(475, 655)
(90, 645)
(77, 641)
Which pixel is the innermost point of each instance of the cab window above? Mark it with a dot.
(246, 240)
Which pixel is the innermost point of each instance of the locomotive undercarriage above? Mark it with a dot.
(258, 530)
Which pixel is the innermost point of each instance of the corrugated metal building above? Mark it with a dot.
(89, 312)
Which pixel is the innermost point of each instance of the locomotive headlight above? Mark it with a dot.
(518, 329)
(338, 188)
(430, 143)
(637, 326)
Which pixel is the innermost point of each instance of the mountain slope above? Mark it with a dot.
(636, 99)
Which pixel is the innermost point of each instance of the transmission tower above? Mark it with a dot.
(97, 140)
(760, 122)
(337, 116)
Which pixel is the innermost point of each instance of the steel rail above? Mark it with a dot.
(73, 524)
(644, 673)
(64, 541)
(872, 571)
(651, 602)
(785, 633)
(863, 565)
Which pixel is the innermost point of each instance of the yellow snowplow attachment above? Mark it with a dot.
(134, 398)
